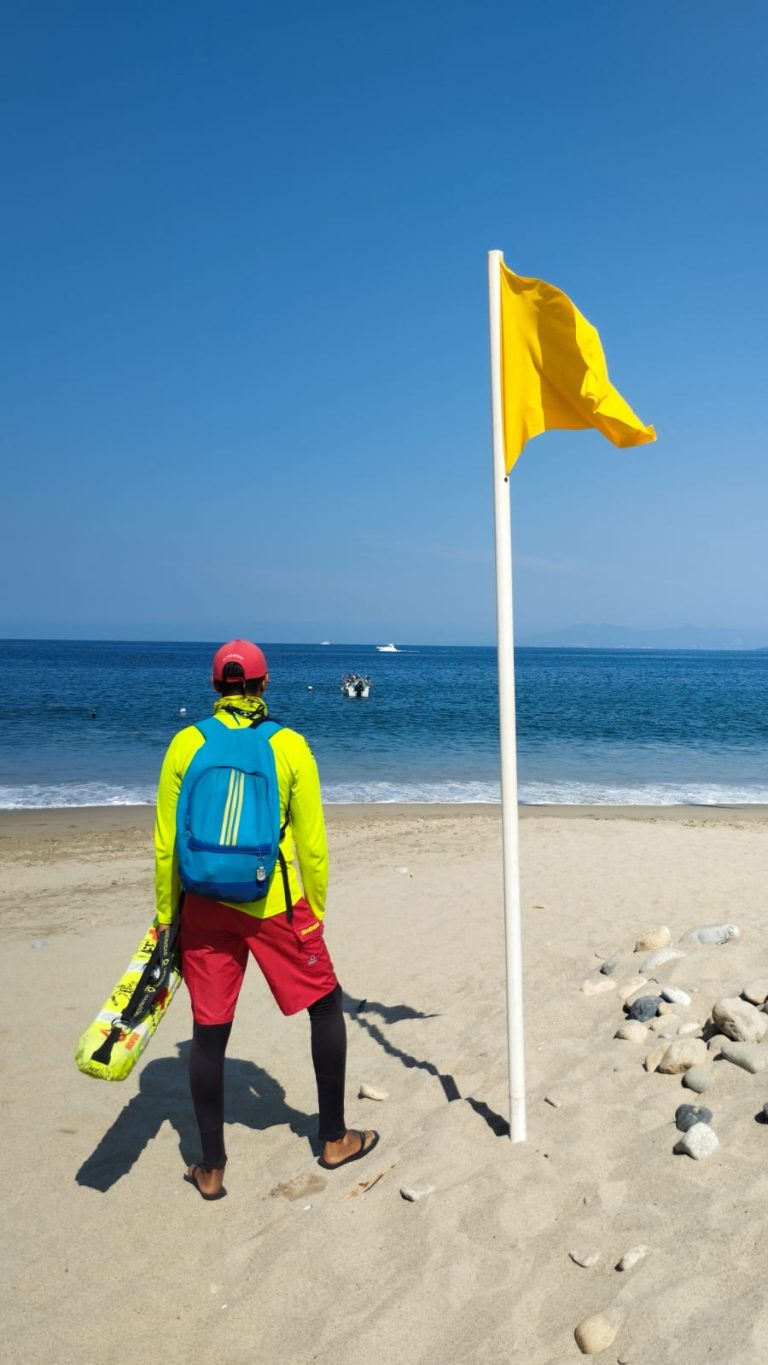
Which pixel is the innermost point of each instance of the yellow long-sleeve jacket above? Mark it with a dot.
(299, 787)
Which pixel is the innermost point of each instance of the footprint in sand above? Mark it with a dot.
(300, 1186)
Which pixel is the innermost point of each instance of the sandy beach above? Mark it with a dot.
(109, 1255)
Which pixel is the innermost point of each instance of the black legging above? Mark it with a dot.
(329, 1058)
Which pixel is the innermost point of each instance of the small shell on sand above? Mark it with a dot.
(369, 1092)
(632, 1257)
(413, 1196)
(585, 1258)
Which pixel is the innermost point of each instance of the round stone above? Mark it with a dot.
(700, 1141)
(658, 937)
(688, 1114)
(645, 1008)
(711, 934)
(594, 1334)
(675, 995)
(598, 985)
(699, 1078)
(682, 1054)
(752, 1057)
(739, 1020)
(659, 957)
(756, 992)
(612, 963)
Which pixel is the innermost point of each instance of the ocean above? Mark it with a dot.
(88, 723)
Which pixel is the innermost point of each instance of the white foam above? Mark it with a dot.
(37, 796)
(644, 794)
(58, 795)
(425, 793)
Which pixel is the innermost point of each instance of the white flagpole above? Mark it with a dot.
(506, 660)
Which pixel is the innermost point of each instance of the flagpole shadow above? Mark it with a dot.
(394, 1014)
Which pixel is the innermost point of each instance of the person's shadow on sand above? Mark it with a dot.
(252, 1097)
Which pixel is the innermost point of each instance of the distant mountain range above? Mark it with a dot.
(625, 637)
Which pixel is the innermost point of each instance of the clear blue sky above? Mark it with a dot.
(244, 356)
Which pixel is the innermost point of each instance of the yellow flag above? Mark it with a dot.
(553, 371)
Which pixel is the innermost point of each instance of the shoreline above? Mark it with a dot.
(52, 821)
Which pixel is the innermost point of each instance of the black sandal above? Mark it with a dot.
(363, 1151)
(190, 1179)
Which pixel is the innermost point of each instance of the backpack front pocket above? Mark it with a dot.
(228, 812)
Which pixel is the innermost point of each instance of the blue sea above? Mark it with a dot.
(88, 723)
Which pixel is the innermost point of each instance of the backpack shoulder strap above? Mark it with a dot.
(277, 725)
(266, 720)
(208, 727)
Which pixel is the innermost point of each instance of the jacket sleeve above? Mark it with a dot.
(308, 826)
(167, 885)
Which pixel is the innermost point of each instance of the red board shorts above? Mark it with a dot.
(216, 940)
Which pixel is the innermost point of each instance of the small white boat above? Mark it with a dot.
(388, 649)
(356, 687)
(325, 642)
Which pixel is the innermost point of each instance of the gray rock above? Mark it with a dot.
(698, 1142)
(699, 1079)
(710, 934)
(645, 1008)
(675, 995)
(594, 1334)
(39, 943)
(612, 963)
(681, 1055)
(739, 1020)
(749, 1056)
(688, 1114)
(659, 957)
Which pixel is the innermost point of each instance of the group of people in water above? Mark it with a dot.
(356, 685)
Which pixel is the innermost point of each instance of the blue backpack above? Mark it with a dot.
(228, 828)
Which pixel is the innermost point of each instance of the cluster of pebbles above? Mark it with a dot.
(735, 1029)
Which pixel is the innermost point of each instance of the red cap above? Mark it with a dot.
(242, 652)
